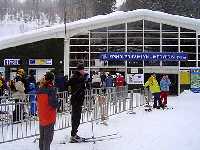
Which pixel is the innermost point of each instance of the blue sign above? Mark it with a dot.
(139, 56)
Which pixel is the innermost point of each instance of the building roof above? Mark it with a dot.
(84, 25)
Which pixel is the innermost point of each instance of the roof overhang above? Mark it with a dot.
(84, 25)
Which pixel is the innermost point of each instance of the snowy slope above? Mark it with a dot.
(173, 129)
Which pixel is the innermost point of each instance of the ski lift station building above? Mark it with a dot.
(134, 31)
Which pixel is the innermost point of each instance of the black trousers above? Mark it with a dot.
(157, 100)
(75, 118)
(46, 136)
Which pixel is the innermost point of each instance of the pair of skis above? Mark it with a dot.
(97, 138)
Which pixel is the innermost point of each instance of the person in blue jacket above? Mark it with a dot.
(109, 81)
(32, 98)
(164, 86)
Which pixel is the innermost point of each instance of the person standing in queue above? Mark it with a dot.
(77, 84)
(155, 90)
(47, 103)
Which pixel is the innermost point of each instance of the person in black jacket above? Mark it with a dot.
(77, 84)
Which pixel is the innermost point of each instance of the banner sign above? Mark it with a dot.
(195, 80)
(144, 56)
(9, 62)
(135, 78)
(40, 61)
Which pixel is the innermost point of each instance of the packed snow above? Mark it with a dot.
(171, 129)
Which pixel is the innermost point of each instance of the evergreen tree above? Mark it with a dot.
(189, 8)
(104, 6)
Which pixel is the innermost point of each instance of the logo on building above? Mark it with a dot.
(9, 62)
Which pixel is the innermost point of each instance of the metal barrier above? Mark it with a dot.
(18, 116)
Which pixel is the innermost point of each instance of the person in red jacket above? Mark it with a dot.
(47, 103)
(120, 80)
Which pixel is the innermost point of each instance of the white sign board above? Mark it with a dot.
(135, 78)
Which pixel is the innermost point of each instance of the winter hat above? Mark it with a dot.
(49, 76)
(80, 67)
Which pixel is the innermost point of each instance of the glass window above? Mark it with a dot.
(188, 35)
(169, 35)
(150, 41)
(168, 28)
(79, 57)
(81, 36)
(148, 25)
(170, 48)
(79, 48)
(191, 56)
(134, 34)
(116, 63)
(138, 25)
(98, 35)
(79, 41)
(188, 41)
(117, 27)
(116, 41)
(134, 49)
(190, 49)
(135, 41)
(186, 30)
(120, 35)
(170, 63)
(169, 41)
(151, 63)
(134, 63)
(152, 48)
(98, 48)
(98, 41)
(95, 60)
(116, 48)
(188, 63)
(152, 35)
(100, 30)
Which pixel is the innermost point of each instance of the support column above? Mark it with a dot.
(179, 63)
(126, 40)
(66, 55)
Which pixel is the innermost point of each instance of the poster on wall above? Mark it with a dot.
(2, 71)
(135, 78)
(185, 77)
(195, 80)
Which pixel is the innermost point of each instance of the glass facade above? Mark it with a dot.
(140, 36)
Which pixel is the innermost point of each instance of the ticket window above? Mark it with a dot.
(40, 72)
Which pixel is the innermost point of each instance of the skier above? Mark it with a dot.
(155, 90)
(164, 86)
(78, 85)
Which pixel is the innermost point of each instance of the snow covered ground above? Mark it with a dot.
(172, 129)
